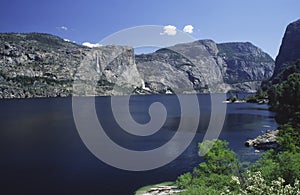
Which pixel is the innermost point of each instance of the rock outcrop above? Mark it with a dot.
(288, 59)
(162, 190)
(204, 66)
(159, 189)
(37, 65)
(245, 63)
(265, 141)
(43, 65)
(108, 70)
(290, 47)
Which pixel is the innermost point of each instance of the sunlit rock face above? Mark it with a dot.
(204, 66)
(290, 47)
(43, 65)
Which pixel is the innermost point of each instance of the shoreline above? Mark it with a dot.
(265, 141)
(150, 94)
(167, 187)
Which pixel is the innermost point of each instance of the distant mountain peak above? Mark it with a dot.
(203, 64)
(44, 65)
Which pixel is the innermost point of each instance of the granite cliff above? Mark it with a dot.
(43, 65)
(288, 58)
(290, 47)
(206, 66)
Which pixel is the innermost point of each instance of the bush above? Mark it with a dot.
(255, 184)
(285, 99)
(214, 174)
(219, 159)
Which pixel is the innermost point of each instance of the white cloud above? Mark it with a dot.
(68, 40)
(188, 29)
(91, 45)
(169, 30)
(62, 28)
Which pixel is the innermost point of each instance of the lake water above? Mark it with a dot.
(42, 152)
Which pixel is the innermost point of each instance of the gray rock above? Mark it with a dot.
(114, 66)
(265, 141)
(43, 65)
(204, 66)
(245, 63)
(289, 49)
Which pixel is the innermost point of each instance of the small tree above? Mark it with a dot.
(214, 174)
(219, 159)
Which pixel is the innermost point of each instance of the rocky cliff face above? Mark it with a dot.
(37, 65)
(42, 65)
(290, 47)
(288, 58)
(204, 66)
(245, 63)
(109, 70)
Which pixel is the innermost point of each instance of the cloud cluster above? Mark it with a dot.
(169, 30)
(172, 30)
(188, 29)
(64, 28)
(91, 45)
(68, 40)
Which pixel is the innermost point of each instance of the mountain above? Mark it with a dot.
(290, 46)
(287, 60)
(206, 66)
(43, 65)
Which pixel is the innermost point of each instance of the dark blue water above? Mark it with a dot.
(41, 151)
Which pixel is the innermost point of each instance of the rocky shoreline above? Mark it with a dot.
(163, 190)
(159, 189)
(265, 142)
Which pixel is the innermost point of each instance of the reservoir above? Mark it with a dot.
(41, 151)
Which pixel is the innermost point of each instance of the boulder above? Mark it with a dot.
(265, 141)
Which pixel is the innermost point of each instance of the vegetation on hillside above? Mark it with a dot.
(42, 40)
(286, 71)
(285, 99)
(276, 172)
(222, 173)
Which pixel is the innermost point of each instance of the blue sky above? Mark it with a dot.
(261, 22)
